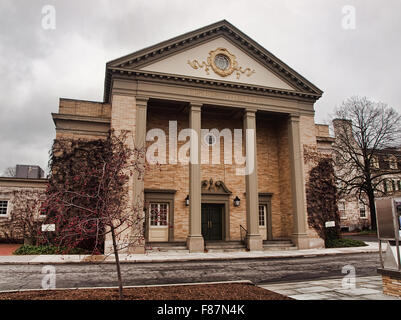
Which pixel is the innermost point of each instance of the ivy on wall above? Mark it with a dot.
(74, 165)
(321, 195)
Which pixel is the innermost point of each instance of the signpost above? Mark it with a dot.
(48, 227)
(388, 230)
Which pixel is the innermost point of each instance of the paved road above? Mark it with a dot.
(259, 271)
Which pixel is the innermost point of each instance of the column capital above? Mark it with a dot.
(250, 111)
(141, 101)
(293, 117)
(195, 106)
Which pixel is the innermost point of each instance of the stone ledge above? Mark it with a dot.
(396, 274)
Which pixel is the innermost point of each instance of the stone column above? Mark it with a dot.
(123, 118)
(195, 241)
(138, 182)
(254, 240)
(300, 236)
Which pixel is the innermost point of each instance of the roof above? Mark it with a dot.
(131, 64)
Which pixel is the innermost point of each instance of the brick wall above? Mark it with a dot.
(273, 172)
(391, 286)
(85, 108)
(9, 230)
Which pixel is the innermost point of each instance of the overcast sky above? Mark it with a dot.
(38, 66)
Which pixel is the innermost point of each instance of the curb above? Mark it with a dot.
(189, 259)
(136, 286)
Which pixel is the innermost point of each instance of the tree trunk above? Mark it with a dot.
(120, 282)
(372, 210)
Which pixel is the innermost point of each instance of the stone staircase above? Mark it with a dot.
(171, 247)
(217, 246)
(271, 245)
(224, 246)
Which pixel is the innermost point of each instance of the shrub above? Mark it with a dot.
(342, 243)
(30, 250)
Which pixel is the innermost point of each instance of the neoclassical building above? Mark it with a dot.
(208, 89)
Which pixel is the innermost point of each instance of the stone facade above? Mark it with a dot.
(138, 99)
(10, 226)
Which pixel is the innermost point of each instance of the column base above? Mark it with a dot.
(303, 241)
(254, 242)
(125, 248)
(195, 244)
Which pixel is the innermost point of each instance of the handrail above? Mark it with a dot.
(244, 232)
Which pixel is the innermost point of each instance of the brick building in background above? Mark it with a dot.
(213, 78)
(354, 211)
(28, 180)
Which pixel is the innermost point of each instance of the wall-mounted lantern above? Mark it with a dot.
(187, 200)
(237, 201)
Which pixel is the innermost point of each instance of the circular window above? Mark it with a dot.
(210, 139)
(222, 62)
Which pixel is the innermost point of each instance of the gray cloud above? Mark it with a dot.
(38, 66)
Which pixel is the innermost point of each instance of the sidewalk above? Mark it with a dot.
(174, 257)
(8, 249)
(366, 288)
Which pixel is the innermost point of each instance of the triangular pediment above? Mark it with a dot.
(193, 55)
(236, 65)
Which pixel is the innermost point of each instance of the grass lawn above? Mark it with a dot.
(225, 291)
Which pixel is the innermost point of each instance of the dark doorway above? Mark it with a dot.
(212, 221)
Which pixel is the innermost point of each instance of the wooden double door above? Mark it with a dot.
(212, 221)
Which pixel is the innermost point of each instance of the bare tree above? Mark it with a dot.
(364, 129)
(88, 197)
(9, 172)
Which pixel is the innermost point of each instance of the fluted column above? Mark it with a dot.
(300, 237)
(138, 182)
(195, 242)
(254, 240)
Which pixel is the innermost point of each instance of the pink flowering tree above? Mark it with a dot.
(88, 199)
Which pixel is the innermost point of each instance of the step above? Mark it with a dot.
(224, 245)
(172, 247)
(283, 248)
(288, 242)
(219, 250)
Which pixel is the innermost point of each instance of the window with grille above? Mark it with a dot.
(362, 209)
(393, 162)
(262, 215)
(3, 207)
(341, 209)
(375, 162)
(158, 214)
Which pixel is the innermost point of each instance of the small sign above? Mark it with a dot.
(48, 227)
(330, 224)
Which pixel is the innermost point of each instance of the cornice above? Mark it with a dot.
(61, 116)
(212, 83)
(18, 182)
